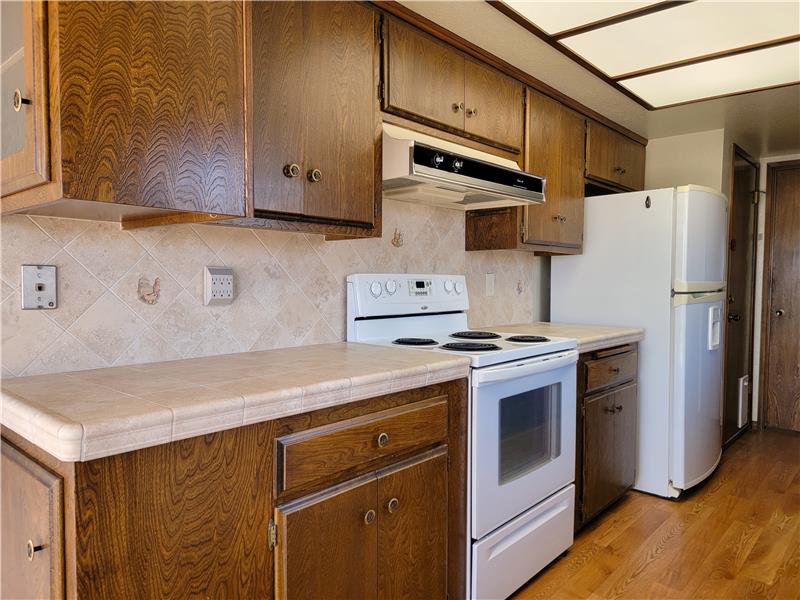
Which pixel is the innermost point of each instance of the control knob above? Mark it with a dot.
(438, 159)
(375, 288)
(448, 286)
(457, 164)
(390, 286)
(459, 287)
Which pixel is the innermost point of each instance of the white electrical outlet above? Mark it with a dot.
(218, 285)
(39, 289)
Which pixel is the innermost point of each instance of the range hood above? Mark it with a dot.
(423, 169)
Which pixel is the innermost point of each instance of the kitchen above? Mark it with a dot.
(475, 290)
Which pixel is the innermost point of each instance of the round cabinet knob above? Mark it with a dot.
(31, 550)
(472, 112)
(448, 286)
(780, 312)
(375, 288)
(391, 286)
(383, 440)
(291, 170)
(369, 517)
(457, 106)
(457, 164)
(393, 505)
(314, 175)
(19, 100)
(459, 287)
(438, 159)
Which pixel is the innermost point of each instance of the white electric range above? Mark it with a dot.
(522, 420)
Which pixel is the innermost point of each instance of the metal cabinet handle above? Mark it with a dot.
(32, 550)
(472, 112)
(393, 505)
(383, 439)
(620, 170)
(780, 312)
(19, 100)
(609, 410)
(457, 106)
(733, 317)
(618, 407)
(369, 517)
(291, 170)
(562, 218)
(314, 175)
(556, 218)
(614, 370)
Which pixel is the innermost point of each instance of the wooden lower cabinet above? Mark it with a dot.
(194, 518)
(607, 432)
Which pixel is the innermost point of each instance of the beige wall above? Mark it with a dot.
(697, 158)
(290, 287)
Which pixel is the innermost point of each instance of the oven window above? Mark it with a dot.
(530, 431)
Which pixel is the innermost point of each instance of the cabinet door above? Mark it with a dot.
(32, 528)
(571, 184)
(152, 104)
(626, 406)
(493, 107)
(338, 107)
(24, 139)
(631, 158)
(278, 129)
(424, 78)
(412, 537)
(612, 157)
(599, 454)
(328, 542)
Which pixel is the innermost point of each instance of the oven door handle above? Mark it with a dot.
(523, 369)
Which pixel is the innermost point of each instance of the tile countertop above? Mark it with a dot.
(590, 337)
(84, 415)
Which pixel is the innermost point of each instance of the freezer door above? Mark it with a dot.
(697, 388)
(701, 225)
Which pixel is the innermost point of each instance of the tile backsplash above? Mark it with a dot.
(290, 287)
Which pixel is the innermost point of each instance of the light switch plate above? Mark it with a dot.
(218, 286)
(39, 287)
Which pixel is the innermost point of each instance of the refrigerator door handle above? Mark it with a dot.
(714, 327)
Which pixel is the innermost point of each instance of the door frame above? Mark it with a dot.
(739, 152)
(766, 287)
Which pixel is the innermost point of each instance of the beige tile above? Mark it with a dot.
(150, 236)
(273, 336)
(135, 424)
(183, 254)
(217, 340)
(149, 347)
(108, 327)
(184, 324)
(321, 333)
(21, 243)
(77, 289)
(198, 410)
(297, 317)
(6, 290)
(127, 288)
(128, 380)
(106, 251)
(65, 354)
(246, 319)
(274, 240)
(25, 334)
(63, 231)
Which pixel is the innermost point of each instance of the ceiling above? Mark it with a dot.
(764, 122)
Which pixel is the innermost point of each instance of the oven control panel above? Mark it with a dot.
(382, 294)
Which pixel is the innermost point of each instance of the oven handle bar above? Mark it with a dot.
(525, 368)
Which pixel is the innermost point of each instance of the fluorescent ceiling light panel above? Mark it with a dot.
(553, 17)
(688, 31)
(739, 73)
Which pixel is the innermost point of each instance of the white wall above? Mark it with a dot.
(762, 185)
(697, 158)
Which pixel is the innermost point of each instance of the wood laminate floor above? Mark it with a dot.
(735, 536)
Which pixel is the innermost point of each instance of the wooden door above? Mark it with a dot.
(32, 528)
(626, 409)
(338, 107)
(278, 102)
(152, 104)
(598, 454)
(424, 78)
(612, 157)
(631, 157)
(328, 543)
(740, 292)
(782, 357)
(412, 537)
(24, 139)
(493, 108)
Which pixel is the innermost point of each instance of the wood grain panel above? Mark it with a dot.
(187, 518)
(152, 104)
(326, 548)
(32, 500)
(783, 352)
(599, 454)
(412, 534)
(573, 164)
(613, 157)
(319, 453)
(492, 229)
(278, 46)
(423, 78)
(613, 370)
(626, 405)
(338, 110)
(493, 105)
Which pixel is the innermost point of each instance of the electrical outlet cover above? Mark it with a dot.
(218, 286)
(39, 288)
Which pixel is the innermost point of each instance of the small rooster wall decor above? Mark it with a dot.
(149, 293)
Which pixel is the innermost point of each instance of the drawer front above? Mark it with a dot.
(323, 452)
(610, 371)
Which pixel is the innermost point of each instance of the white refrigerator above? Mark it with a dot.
(656, 259)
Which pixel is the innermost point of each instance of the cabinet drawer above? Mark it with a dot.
(320, 453)
(610, 371)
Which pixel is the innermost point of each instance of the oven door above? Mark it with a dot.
(523, 436)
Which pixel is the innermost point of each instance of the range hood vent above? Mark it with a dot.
(422, 169)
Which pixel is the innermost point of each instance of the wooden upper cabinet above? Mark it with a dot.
(32, 528)
(315, 128)
(328, 543)
(614, 158)
(24, 136)
(431, 82)
(424, 78)
(493, 105)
